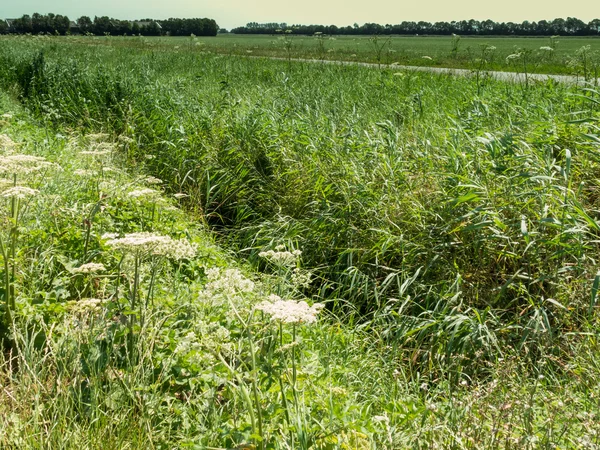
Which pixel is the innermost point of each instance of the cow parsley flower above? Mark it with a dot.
(146, 192)
(95, 152)
(146, 243)
(290, 311)
(281, 258)
(6, 142)
(90, 268)
(227, 282)
(153, 180)
(84, 173)
(24, 164)
(546, 49)
(20, 192)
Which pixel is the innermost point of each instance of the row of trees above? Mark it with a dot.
(562, 27)
(52, 23)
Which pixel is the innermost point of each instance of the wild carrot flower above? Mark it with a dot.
(95, 152)
(290, 311)
(90, 268)
(153, 180)
(228, 282)
(281, 258)
(24, 164)
(84, 173)
(153, 244)
(146, 192)
(20, 192)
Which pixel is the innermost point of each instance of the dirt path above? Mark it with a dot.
(496, 75)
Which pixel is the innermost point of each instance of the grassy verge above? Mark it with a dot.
(451, 235)
(207, 369)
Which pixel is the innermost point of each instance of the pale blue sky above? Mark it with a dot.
(231, 13)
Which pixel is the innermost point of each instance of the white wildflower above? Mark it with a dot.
(290, 311)
(6, 142)
(24, 164)
(90, 268)
(429, 58)
(86, 305)
(97, 136)
(227, 282)
(281, 258)
(153, 180)
(7, 116)
(95, 152)
(546, 49)
(513, 57)
(301, 278)
(107, 236)
(146, 192)
(126, 139)
(180, 195)
(154, 244)
(84, 173)
(19, 192)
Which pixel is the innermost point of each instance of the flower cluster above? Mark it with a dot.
(513, 57)
(146, 192)
(6, 143)
(153, 180)
(281, 257)
(23, 164)
(290, 311)
(95, 152)
(146, 243)
(84, 173)
(228, 282)
(547, 49)
(90, 268)
(95, 137)
(20, 192)
(86, 305)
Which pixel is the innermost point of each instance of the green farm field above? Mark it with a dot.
(573, 56)
(209, 251)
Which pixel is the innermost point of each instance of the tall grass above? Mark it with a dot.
(449, 228)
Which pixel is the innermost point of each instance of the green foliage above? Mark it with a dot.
(450, 230)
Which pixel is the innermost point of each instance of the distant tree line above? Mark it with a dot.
(57, 24)
(562, 27)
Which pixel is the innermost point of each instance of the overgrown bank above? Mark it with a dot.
(461, 243)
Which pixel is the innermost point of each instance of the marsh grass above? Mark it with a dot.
(450, 230)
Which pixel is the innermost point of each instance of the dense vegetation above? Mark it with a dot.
(449, 225)
(570, 26)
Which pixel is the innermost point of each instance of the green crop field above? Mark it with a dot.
(208, 251)
(560, 55)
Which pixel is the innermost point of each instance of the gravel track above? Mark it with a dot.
(496, 75)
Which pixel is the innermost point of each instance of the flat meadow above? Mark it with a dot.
(559, 55)
(205, 250)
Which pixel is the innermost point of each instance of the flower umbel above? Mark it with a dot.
(90, 268)
(20, 192)
(290, 311)
(154, 244)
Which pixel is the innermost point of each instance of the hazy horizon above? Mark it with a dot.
(233, 13)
